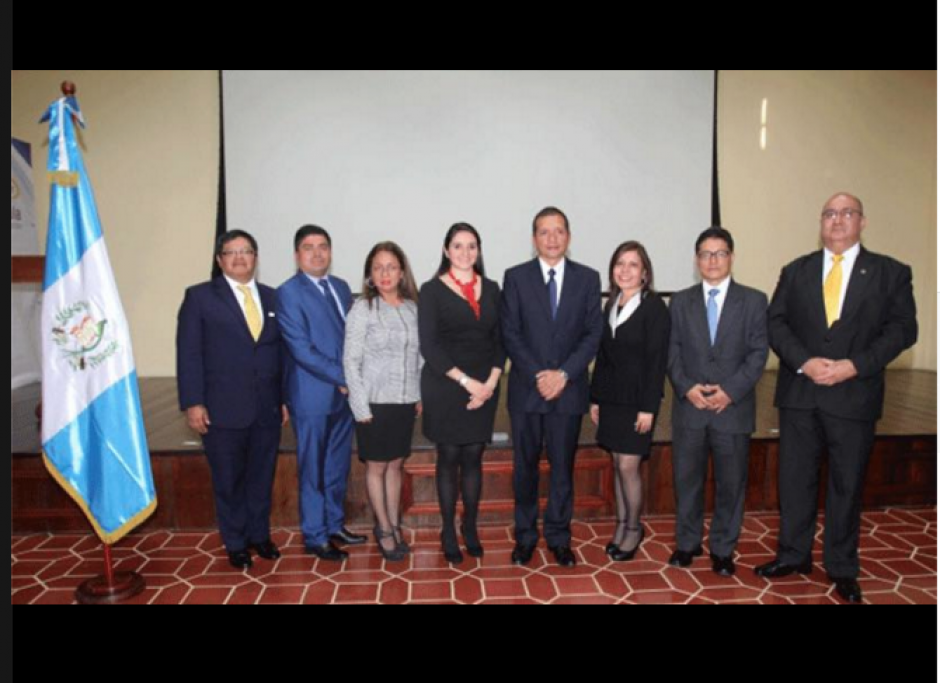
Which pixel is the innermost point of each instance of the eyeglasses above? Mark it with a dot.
(709, 255)
(390, 269)
(238, 252)
(847, 214)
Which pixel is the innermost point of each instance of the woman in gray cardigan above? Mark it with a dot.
(382, 363)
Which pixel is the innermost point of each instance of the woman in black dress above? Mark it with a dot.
(458, 319)
(627, 388)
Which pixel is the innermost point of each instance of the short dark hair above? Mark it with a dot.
(306, 230)
(231, 236)
(550, 211)
(644, 259)
(456, 229)
(715, 233)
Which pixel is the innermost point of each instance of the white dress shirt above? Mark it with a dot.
(722, 295)
(559, 274)
(618, 318)
(253, 287)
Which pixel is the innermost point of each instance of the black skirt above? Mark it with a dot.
(388, 436)
(617, 432)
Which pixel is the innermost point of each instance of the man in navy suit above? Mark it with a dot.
(837, 318)
(229, 359)
(552, 327)
(311, 311)
(717, 353)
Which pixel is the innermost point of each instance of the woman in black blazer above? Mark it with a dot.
(627, 387)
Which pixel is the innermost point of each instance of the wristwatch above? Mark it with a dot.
(464, 381)
(564, 374)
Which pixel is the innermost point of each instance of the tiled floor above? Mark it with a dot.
(899, 566)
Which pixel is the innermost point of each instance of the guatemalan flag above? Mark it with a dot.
(93, 437)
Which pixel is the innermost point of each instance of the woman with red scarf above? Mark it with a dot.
(458, 319)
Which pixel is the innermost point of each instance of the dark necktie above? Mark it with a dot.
(553, 293)
(330, 300)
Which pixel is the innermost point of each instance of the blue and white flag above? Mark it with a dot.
(93, 437)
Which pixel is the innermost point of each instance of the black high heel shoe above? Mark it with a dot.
(450, 548)
(472, 540)
(626, 555)
(613, 546)
(400, 539)
(394, 555)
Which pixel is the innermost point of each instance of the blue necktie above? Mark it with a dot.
(553, 293)
(330, 300)
(712, 309)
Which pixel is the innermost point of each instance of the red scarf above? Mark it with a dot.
(469, 292)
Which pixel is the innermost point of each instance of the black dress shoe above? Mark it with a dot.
(522, 554)
(563, 556)
(327, 552)
(240, 559)
(778, 569)
(267, 550)
(345, 537)
(848, 589)
(683, 558)
(723, 566)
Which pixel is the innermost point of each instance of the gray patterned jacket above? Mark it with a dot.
(382, 358)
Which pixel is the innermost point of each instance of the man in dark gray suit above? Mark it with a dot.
(717, 352)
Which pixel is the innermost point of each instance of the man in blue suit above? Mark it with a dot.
(229, 358)
(552, 327)
(311, 312)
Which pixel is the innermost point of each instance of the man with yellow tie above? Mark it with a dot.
(837, 318)
(229, 369)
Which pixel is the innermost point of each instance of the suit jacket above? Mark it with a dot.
(878, 322)
(735, 362)
(314, 338)
(631, 367)
(220, 365)
(535, 342)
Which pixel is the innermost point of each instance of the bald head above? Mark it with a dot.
(841, 222)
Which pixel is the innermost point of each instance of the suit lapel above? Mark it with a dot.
(539, 290)
(862, 275)
(268, 304)
(224, 292)
(731, 310)
(814, 274)
(320, 300)
(569, 296)
(700, 316)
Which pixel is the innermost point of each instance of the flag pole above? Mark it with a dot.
(111, 588)
(68, 173)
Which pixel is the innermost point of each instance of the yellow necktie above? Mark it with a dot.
(832, 290)
(252, 314)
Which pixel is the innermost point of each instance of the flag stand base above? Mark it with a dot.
(98, 591)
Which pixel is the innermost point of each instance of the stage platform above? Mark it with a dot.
(903, 469)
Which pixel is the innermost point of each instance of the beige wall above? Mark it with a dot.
(151, 148)
(871, 133)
